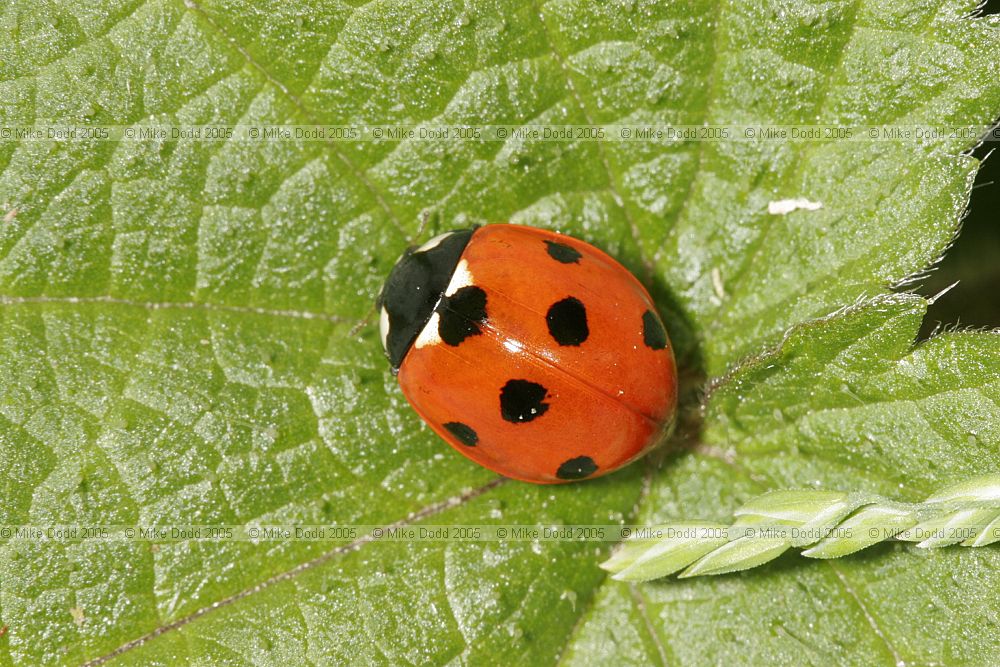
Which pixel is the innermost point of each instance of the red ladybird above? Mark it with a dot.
(532, 353)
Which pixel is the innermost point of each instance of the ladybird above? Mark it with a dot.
(530, 352)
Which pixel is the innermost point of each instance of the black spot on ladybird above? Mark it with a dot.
(578, 468)
(522, 401)
(464, 433)
(567, 320)
(563, 253)
(461, 315)
(652, 331)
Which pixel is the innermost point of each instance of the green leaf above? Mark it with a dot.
(869, 526)
(642, 559)
(178, 341)
(771, 523)
(843, 402)
(741, 554)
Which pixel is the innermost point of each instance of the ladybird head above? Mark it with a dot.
(413, 289)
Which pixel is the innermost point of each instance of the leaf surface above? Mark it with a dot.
(178, 341)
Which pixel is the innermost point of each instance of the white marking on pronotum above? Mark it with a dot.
(434, 242)
(461, 278)
(429, 334)
(786, 206)
(383, 327)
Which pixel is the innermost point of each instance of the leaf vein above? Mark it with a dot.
(425, 512)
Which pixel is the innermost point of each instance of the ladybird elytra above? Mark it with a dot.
(530, 352)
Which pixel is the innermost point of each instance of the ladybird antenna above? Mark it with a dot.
(362, 323)
(425, 217)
